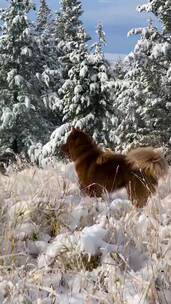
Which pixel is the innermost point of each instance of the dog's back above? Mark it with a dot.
(96, 177)
(99, 170)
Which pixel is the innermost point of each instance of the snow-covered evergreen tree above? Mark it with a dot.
(87, 100)
(68, 19)
(119, 69)
(65, 38)
(87, 93)
(43, 16)
(162, 10)
(66, 28)
(101, 39)
(129, 99)
(58, 39)
(20, 103)
(144, 96)
(49, 75)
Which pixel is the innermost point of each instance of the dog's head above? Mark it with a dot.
(76, 143)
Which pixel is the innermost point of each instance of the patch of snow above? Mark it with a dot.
(92, 239)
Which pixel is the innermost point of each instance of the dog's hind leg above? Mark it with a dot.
(140, 189)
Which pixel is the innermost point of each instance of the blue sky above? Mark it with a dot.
(117, 16)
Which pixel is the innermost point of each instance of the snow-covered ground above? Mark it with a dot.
(58, 246)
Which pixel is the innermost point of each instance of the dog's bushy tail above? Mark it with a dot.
(147, 166)
(148, 160)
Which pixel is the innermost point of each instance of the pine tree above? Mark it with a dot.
(144, 96)
(68, 22)
(87, 93)
(129, 128)
(49, 74)
(162, 10)
(87, 100)
(157, 63)
(64, 39)
(20, 103)
(101, 39)
(43, 16)
(119, 69)
(66, 29)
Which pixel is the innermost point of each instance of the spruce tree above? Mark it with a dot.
(20, 103)
(66, 28)
(87, 100)
(65, 39)
(49, 74)
(87, 93)
(43, 16)
(144, 96)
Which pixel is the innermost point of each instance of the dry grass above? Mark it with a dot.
(42, 222)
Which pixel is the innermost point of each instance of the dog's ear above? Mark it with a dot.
(65, 149)
(74, 130)
(74, 133)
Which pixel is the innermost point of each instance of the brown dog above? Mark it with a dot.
(98, 171)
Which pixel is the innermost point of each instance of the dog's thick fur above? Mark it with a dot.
(98, 171)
